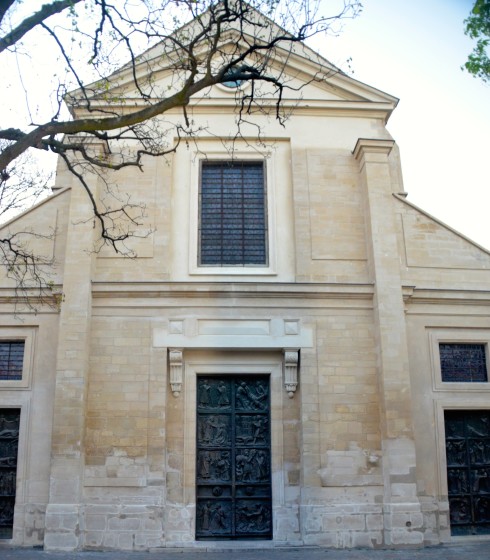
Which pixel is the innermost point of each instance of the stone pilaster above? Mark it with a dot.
(63, 515)
(403, 519)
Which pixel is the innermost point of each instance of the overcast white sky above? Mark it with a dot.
(413, 49)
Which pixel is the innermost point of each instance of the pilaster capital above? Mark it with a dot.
(366, 146)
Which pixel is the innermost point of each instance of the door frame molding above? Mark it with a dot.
(229, 363)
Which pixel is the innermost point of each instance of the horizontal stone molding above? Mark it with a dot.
(124, 482)
(438, 296)
(240, 334)
(276, 290)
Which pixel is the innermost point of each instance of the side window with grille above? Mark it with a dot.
(11, 359)
(465, 363)
(233, 214)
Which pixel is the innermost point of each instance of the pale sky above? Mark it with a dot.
(413, 49)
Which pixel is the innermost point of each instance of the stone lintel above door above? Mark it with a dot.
(286, 335)
(258, 334)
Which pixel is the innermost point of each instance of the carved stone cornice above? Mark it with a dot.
(372, 146)
(441, 296)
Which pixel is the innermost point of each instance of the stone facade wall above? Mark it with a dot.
(33, 395)
(335, 406)
(359, 288)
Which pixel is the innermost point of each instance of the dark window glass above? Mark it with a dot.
(11, 360)
(232, 221)
(463, 362)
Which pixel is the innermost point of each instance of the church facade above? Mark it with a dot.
(296, 355)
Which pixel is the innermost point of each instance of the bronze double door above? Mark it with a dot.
(468, 470)
(9, 441)
(233, 458)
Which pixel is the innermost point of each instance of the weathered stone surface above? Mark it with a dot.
(360, 286)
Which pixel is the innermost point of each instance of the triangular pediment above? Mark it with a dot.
(309, 79)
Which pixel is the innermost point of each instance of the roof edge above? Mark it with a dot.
(441, 223)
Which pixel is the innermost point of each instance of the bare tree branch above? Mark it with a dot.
(210, 33)
(5, 7)
(137, 105)
(47, 10)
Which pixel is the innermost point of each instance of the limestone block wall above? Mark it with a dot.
(346, 468)
(317, 190)
(42, 230)
(342, 496)
(343, 517)
(445, 279)
(360, 286)
(149, 246)
(347, 381)
(435, 255)
(317, 223)
(125, 454)
(138, 487)
(329, 219)
(139, 448)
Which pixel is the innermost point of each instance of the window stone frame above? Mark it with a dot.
(269, 269)
(28, 336)
(457, 336)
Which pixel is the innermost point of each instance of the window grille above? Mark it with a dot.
(11, 360)
(463, 362)
(233, 217)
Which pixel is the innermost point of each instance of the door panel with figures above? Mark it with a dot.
(468, 470)
(9, 441)
(233, 475)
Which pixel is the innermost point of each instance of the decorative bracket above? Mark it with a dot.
(175, 359)
(291, 361)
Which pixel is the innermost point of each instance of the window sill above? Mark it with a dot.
(232, 271)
